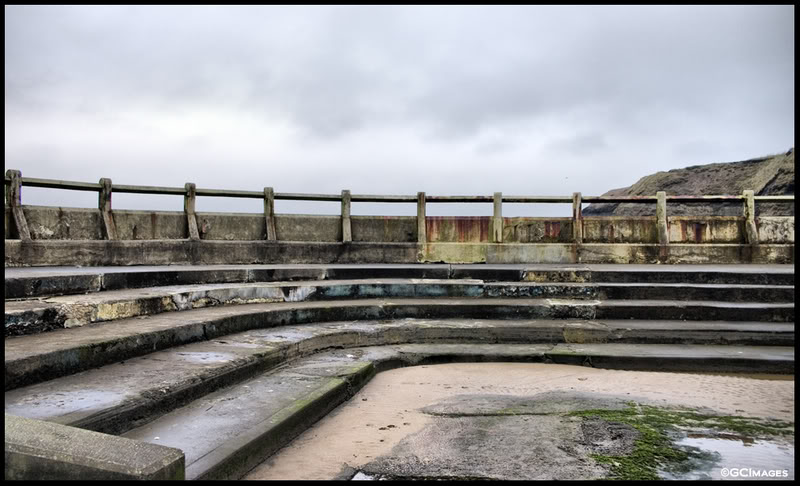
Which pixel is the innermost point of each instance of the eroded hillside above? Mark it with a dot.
(772, 175)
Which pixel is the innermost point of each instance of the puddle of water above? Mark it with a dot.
(362, 476)
(727, 456)
(206, 357)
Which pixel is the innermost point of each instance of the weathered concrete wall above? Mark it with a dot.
(458, 229)
(396, 229)
(230, 226)
(183, 252)
(53, 223)
(70, 236)
(150, 225)
(537, 230)
(303, 227)
(9, 225)
(613, 229)
(476, 229)
(774, 229)
(719, 229)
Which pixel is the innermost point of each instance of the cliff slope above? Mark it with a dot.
(772, 175)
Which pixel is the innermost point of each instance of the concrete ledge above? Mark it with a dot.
(41, 450)
(34, 316)
(685, 253)
(190, 252)
(47, 281)
(247, 450)
(165, 252)
(78, 280)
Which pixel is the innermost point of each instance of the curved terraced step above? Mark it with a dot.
(113, 398)
(225, 433)
(44, 356)
(39, 315)
(43, 281)
(229, 385)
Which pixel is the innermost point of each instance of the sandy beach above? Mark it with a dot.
(388, 408)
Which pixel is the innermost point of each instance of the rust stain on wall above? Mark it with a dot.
(460, 229)
(699, 229)
(552, 229)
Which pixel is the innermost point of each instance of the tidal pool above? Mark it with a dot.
(731, 456)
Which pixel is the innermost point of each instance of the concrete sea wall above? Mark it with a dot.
(41, 235)
(75, 236)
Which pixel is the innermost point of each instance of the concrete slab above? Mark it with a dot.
(41, 450)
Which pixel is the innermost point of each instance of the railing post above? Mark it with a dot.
(269, 213)
(661, 218)
(422, 236)
(14, 201)
(750, 229)
(189, 208)
(104, 204)
(347, 234)
(577, 218)
(497, 219)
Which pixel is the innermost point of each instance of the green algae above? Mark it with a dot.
(654, 447)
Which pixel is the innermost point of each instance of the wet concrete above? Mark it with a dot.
(490, 447)
(205, 428)
(31, 359)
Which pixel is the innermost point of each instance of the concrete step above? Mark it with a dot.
(39, 357)
(45, 314)
(266, 410)
(42, 281)
(126, 392)
(225, 434)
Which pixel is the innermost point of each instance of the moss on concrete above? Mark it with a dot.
(654, 448)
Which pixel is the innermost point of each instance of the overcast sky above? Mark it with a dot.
(389, 100)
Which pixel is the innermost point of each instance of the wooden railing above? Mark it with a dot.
(14, 182)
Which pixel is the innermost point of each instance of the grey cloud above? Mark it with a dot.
(511, 84)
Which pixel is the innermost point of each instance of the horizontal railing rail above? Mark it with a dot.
(180, 191)
(14, 181)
